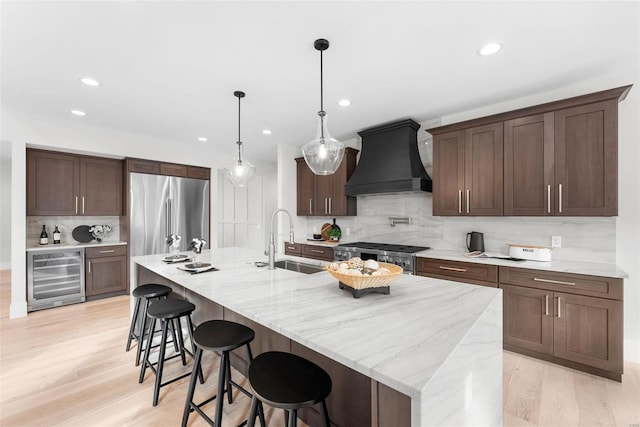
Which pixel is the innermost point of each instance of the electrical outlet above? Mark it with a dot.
(347, 231)
(556, 241)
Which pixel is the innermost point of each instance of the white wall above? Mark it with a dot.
(21, 129)
(5, 205)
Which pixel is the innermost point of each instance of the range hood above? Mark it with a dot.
(389, 161)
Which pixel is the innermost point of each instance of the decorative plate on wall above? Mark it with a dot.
(82, 234)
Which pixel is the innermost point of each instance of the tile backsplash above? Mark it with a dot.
(583, 238)
(66, 224)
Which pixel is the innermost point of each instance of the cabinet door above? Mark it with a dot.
(100, 186)
(323, 192)
(305, 189)
(528, 166)
(586, 155)
(528, 318)
(588, 330)
(483, 177)
(338, 203)
(53, 183)
(448, 173)
(106, 275)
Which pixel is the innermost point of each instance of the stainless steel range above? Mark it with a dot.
(402, 255)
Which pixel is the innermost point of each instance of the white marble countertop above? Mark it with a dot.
(401, 339)
(578, 267)
(68, 245)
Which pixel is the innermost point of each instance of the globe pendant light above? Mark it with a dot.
(324, 153)
(241, 172)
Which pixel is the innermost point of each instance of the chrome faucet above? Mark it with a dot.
(272, 240)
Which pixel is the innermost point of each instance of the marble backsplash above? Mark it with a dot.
(590, 239)
(66, 224)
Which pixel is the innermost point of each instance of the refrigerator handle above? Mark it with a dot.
(170, 216)
(166, 217)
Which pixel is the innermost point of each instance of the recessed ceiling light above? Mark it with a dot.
(490, 49)
(202, 139)
(90, 82)
(78, 113)
(266, 132)
(344, 103)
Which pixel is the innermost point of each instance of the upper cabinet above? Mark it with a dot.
(558, 158)
(323, 195)
(67, 184)
(169, 169)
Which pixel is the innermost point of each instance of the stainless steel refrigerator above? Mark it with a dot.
(164, 205)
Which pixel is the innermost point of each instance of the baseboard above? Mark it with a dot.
(632, 351)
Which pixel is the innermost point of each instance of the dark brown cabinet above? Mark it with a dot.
(316, 252)
(169, 169)
(559, 158)
(319, 195)
(468, 167)
(67, 184)
(550, 315)
(105, 271)
(458, 271)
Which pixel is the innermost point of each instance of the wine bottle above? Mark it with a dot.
(56, 236)
(44, 237)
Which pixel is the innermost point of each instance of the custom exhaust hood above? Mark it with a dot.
(389, 161)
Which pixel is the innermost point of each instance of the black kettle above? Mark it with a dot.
(475, 242)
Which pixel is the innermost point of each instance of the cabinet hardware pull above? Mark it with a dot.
(76, 204)
(557, 282)
(546, 305)
(560, 198)
(326, 209)
(83, 204)
(291, 247)
(316, 251)
(107, 252)
(468, 197)
(462, 270)
(89, 267)
(549, 198)
(559, 305)
(310, 209)
(459, 201)
(330, 207)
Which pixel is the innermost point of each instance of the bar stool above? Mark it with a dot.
(220, 336)
(289, 382)
(149, 292)
(168, 311)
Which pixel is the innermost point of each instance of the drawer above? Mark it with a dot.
(103, 251)
(317, 252)
(292, 248)
(470, 271)
(604, 287)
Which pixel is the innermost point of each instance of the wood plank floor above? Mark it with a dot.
(67, 367)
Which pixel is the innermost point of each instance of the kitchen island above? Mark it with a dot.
(430, 352)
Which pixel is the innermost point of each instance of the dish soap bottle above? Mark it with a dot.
(44, 237)
(56, 236)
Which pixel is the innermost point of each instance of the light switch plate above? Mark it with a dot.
(556, 241)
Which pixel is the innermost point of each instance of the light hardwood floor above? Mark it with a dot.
(67, 366)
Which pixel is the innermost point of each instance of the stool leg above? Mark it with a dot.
(143, 330)
(192, 387)
(293, 418)
(228, 374)
(251, 421)
(325, 414)
(221, 383)
(145, 359)
(173, 334)
(180, 344)
(132, 329)
(160, 366)
(193, 346)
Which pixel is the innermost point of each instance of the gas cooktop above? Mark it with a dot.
(387, 247)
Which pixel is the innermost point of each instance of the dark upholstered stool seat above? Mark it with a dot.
(220, 336)
(288, 382)
(147, 292)
(169, 312)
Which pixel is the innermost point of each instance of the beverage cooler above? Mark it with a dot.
(54, 277)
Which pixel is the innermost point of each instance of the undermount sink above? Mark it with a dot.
(298, 266)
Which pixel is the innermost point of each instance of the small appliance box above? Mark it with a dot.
(532, 253)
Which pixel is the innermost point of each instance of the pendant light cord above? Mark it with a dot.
(239, 140)
(322, 112)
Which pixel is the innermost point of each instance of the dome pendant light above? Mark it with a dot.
(241, 172)
(324, 153)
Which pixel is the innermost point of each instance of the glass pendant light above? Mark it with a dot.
(241, 172)
(324, 153)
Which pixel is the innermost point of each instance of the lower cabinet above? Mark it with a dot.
(105, 271)
(566, 327)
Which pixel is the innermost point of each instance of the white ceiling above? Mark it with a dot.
(169, 69)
